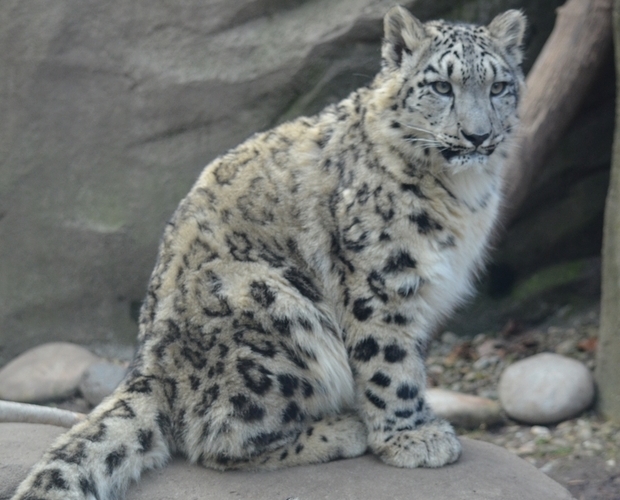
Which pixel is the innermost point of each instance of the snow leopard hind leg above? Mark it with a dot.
(264, 382)
(320, 440)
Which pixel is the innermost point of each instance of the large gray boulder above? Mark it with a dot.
(484, 472)
(110, 109)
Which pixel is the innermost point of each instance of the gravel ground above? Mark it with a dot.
(582, 454)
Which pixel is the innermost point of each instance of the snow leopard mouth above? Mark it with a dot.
(459, 157)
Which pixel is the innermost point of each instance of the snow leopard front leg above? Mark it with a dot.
(388, 364)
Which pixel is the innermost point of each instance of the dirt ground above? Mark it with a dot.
(589, 478)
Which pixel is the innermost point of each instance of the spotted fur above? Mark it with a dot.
(296, 285)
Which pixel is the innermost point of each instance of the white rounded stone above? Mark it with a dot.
(546, 388)
(45, 373)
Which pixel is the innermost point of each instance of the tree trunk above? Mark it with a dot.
(556, 86)
(608, 355)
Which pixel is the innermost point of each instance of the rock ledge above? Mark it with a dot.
(484, 472)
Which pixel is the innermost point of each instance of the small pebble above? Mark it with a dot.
(478, 339)
(566, 347)
(435, 369)
(527, 448)
(540, 431)
(592, 445)
(486, 362)
(449, 338)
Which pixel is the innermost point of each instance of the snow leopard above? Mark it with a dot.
(298, 283)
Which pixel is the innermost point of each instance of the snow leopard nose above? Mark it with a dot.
(475, 139)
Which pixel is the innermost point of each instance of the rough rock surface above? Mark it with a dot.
(99, 380)
(111, 109)
(546, 388)
(484, 472)
(45, 373)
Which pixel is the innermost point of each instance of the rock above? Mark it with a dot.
(534, 298)
(486, 362)
(567, 346)
(450, 339)
(99, 380)
(111, 113)
(540, 431)
(556, 277)
(45, 373)
(484, 472)
(546, 388)
(463, 410)
(491, 347)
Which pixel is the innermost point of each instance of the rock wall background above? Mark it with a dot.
(110, 109)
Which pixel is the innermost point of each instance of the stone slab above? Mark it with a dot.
(484, 472)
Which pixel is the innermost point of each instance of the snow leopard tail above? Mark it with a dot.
(129, 432)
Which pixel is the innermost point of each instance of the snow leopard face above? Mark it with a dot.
(458, 86)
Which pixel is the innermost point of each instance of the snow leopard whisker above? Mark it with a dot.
(419, 129)
(421, 140)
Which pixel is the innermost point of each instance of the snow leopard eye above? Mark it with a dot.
(498, 88)
(442, 88)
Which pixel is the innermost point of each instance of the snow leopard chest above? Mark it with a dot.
(417, 244)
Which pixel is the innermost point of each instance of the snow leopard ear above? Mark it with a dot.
(508, 29)
(403, 34)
